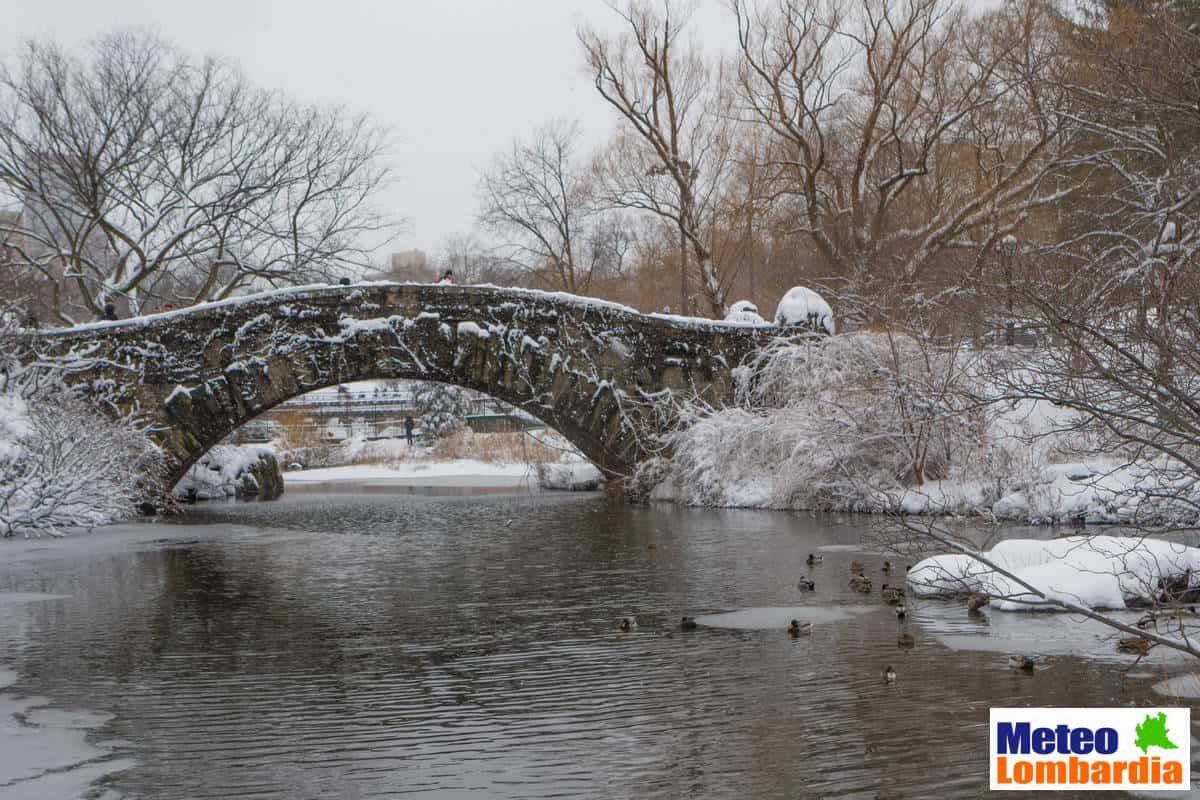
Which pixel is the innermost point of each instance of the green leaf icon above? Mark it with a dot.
(1153, 733)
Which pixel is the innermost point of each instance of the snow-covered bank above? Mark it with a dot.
(579, 476)
(462, 472)
(877, 422)
(1099, 572)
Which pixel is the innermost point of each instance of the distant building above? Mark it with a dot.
(409, 265)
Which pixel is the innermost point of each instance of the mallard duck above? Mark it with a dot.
(889, 674)
(807, 584)
(857, 567)
(688, 624)
(798, 628)
(813, 559)
(901, 611)
(627, 624)
(1023, 663)
(905, 639)
(860, 583)
(887, 568)
(1135, 645)
(976, 602)
(892, 596)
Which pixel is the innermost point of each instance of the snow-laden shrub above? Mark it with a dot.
(64, 464)
(803, 306)
(842, 423)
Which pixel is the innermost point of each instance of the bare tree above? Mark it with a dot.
(671, 156)
(472, 261)
(145, 178)
(538, 199)
(907, 132)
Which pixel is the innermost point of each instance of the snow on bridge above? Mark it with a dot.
(602, 374)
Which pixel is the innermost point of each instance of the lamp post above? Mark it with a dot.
(1008, 251)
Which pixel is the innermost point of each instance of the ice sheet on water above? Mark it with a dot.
(46, 752)
(768, 617)
(17, 598)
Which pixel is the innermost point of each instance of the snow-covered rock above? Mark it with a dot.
(743, 312)
(576, 476)
(1101, 572)
(233, 471)
(803, 306)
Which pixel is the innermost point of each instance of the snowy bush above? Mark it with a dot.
(885, 422)
(840, 423)
(803, 306)
(64, 464)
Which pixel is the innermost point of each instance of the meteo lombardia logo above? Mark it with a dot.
(1091, 748)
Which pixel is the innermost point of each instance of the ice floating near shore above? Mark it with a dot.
(1186, 685)
(1100, 572)
(46, 752)
(767, 617)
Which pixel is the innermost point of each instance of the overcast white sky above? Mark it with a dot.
(454, 80)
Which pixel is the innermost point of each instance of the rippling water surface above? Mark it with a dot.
(355, 646)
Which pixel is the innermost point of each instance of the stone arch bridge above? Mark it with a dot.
(602, 374)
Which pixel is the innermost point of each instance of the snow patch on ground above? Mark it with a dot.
(412, 473)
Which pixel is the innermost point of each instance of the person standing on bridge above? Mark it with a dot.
(447, 278)
(408, 430)
(110, 310)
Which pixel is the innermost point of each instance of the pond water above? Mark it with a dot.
(379, 645)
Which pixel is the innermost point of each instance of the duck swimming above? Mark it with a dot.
(798, 628)
(887, 567)
(901, 611)
(1136, 645)
(905, 639)
(857, 567)
(860, 583)
(889, 674)
(814, 559)
(1023, 663)
(688, 624)
(807, 584)
(627, 624)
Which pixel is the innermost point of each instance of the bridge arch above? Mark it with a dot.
(600, 373)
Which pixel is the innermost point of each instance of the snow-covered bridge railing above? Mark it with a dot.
(600, 373)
